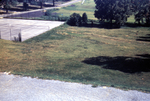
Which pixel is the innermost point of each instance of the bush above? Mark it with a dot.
(34, 3)
(50, 12)
(74, 20)
(84, 18)
(63, 18)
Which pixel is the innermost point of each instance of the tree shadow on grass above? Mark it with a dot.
(100, 25)
(48, 5)
(16, 9)
(144, 38)
(135, 25)
(30, 7)
(3, 12)
(107, 25)
(121, 63)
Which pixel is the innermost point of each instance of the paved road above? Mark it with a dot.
(62, 5)
(10, 28)
(16, 88)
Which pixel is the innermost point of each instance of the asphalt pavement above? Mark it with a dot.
(17, 88)
(10, 28)
(61, 5)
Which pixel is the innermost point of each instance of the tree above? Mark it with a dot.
(142, 12)
(8, 3)
(117, 10)
(41, 3)
(84, 18)
(25, 6)
(74, 20)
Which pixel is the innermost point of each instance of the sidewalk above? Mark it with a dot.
(17, 88)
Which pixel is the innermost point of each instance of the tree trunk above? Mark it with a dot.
(53, 2)
(110, 23)
(41, 5)
(6, 11)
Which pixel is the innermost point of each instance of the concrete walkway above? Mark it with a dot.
(10, 28)
(17, 88)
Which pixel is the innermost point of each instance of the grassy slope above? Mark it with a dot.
(88, 7)
(59, 54)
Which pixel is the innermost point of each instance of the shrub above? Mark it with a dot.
(74, 20)
(25, 6)
(48, 13)
(84, 18)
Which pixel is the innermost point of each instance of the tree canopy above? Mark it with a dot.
(120, 10)
(142, 13)
(8, 3)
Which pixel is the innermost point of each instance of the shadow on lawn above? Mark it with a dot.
(135, 25)
(97, 25)
(124, 64)
(144, 38)
(107, 25)
(30, 7)
(48, 5)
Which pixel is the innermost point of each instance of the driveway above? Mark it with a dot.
(17, 88)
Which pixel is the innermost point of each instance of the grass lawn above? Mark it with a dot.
(88, 7)
(111, 57)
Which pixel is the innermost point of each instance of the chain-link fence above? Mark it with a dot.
(18, 32)
(9, 33)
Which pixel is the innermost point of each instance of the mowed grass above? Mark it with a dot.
(106, 57)
(88, 7)
(97, 56)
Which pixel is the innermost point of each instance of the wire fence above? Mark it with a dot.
(10, 34)
(18, 32)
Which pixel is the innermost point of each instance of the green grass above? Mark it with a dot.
(88, 7)
(94, 56)
(59, 54)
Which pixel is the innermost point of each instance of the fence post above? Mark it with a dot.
(0, 34)
(10, 33)
(19, 37)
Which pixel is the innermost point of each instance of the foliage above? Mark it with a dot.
(25, 6)
(50, 11)
(55, 18)
(115, 10)
(142, 13)
(8, 3)
(120, 10)
(84, 18)
(74, 20)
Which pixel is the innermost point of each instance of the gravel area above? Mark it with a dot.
(17, 88)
